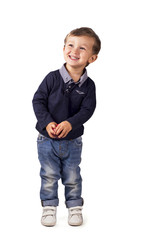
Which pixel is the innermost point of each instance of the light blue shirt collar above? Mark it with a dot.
(66, 77)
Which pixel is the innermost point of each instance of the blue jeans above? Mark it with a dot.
(60, 159)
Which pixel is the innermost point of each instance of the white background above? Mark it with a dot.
(115, 161)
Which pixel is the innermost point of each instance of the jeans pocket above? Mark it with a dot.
(78, 142)
(41, 138)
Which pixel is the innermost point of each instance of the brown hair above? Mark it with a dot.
(85, 31)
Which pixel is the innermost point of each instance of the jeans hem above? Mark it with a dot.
(53, 203)
(74, 203)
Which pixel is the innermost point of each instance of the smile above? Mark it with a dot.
(73, 58)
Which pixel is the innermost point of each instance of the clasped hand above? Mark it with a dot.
(58, 130)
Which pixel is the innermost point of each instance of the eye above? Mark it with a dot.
(82, 48)
(70, 45)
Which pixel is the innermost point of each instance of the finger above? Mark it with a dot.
(58, 130)
(52, 131)
(53, 128)
(65, 135)
(52, 135)
(62, 134)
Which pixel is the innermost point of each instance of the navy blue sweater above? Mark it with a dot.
(56, 101)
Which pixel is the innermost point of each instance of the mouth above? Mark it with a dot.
(73, 58)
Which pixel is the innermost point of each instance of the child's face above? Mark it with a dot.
(78, 51)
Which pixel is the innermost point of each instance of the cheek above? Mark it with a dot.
(66, 52)
(85, 55)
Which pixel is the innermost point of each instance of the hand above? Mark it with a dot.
(51, 128)
(63, 129)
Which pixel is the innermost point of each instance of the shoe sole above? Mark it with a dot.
(48, 225)
(75, 224)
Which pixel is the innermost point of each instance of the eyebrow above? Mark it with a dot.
(83, 44)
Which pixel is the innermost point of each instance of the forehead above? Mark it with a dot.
(82, 40)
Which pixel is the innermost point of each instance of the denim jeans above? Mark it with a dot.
(60, 159)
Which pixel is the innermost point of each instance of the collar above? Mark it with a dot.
(66, 77)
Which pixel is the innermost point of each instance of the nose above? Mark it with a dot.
(75, 50)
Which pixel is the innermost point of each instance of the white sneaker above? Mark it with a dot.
(75, 216)
(48, 216)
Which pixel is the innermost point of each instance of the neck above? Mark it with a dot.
(75, 73)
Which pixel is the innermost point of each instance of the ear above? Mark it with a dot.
(92, 58)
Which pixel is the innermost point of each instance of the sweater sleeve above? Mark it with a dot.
(40, 104)
(86, 110)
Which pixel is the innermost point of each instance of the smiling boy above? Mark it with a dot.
(64, 101)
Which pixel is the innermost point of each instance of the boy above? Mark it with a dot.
(64, 101)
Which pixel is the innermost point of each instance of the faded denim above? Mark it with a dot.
(60, 159)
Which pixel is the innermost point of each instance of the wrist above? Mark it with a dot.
(69, 125)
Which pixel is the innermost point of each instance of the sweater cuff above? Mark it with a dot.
(44, 124)
(73, 123)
